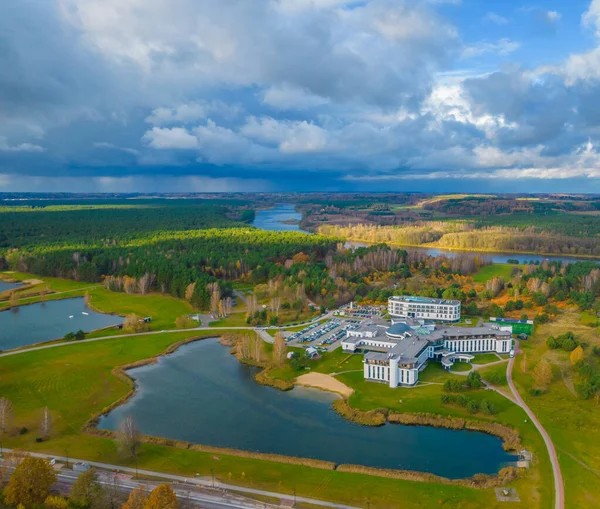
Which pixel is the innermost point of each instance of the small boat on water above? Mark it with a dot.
(84, 313)
(71, 316)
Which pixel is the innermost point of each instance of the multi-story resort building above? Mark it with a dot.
(423, 308)
(400, 352)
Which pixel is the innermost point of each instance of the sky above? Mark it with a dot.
(299, 95)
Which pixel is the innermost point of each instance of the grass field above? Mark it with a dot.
(76, 381)
(485, 358)
(461, 367)
(572, 423)
(488, 272)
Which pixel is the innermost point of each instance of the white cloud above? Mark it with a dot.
(21, 147)
(287, 97)
(496, 18)
(173, 138)
(503, 47)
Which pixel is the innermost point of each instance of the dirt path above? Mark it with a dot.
(324, 382)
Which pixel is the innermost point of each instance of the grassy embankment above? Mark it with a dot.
(76, 382)
(488, 272)
(572, 423)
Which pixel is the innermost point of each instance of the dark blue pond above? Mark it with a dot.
(36, 323)
(4, 286)
(202, 394)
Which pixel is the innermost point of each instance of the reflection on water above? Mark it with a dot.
(202, 394)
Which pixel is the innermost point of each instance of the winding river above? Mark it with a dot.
(202, 394)
(279, 219)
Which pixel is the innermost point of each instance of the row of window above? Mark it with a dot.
(476, 345)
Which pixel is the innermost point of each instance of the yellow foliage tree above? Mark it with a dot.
(279, 349)
(185, 322)
(30, 483)
(542, 374)
(162, 497)
(56, 502)
(576, 355)
(137, 499)
(133, 323)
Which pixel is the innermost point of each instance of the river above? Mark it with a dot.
(282, 217)
(202, 394)
(273, 219)
(45, 321)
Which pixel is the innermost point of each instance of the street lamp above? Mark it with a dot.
(212, 473)
(294, 497)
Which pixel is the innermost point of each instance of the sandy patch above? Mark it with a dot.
(325, 382)
(33, 282)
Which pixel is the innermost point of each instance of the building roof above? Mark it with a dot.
(398, 329)
(424, 300)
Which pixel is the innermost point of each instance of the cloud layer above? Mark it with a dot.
(358, 93)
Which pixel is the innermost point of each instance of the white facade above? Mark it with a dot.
(422, 308)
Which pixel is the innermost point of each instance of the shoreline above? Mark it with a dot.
(324, 382)
(479, 481)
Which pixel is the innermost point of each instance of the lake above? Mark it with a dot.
(273, 219)
(8, 286)
(45, 321)
(202, 394)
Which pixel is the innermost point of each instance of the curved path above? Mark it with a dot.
(559, 490)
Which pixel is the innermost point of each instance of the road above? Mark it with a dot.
(559, 490)
(192, 488)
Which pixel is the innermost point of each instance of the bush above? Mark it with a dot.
(535, 392)
(472, 406)
(23, 431)
(453, 385)
(474, 380)
(566, 341)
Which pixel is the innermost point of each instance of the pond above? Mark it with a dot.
(202, 394)
(282, 217)
(45, 321)
(4, 286)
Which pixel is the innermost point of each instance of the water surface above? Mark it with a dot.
(273, 219)
(45, 321)
(8, 286)
(202, 394)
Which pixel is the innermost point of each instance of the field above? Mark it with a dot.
(573, 423)
(488, 272)
(75, 381)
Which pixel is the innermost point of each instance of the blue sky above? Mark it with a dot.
(340, 95)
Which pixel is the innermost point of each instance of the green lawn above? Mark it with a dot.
(572, 423)
(485, 358)
(494, 270)
(76, 381)
(461, 367)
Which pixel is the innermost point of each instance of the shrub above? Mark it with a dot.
(473, 406)
(474, 380)
(453, 385)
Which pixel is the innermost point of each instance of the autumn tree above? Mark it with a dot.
(542, 374)
(279, 349)
(56, 502)
(30, 483)
(10, 460)
(86, 488)
(128, 437)
(6, 414)
(146, 282)
(46, 423)
(13, 300)
(133, 323)
(137, 499)
(162, 497)
(189, 291)
(576, 355)
(185, 322)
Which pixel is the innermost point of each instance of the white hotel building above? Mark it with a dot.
(423, 308)
(398, 355)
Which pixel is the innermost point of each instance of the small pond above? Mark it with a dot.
(4, 286)
(45, 321)
(202, 394)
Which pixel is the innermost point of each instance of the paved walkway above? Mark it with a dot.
(198, 482)
(559, 490)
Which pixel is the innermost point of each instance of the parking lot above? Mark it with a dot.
(323, 336)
